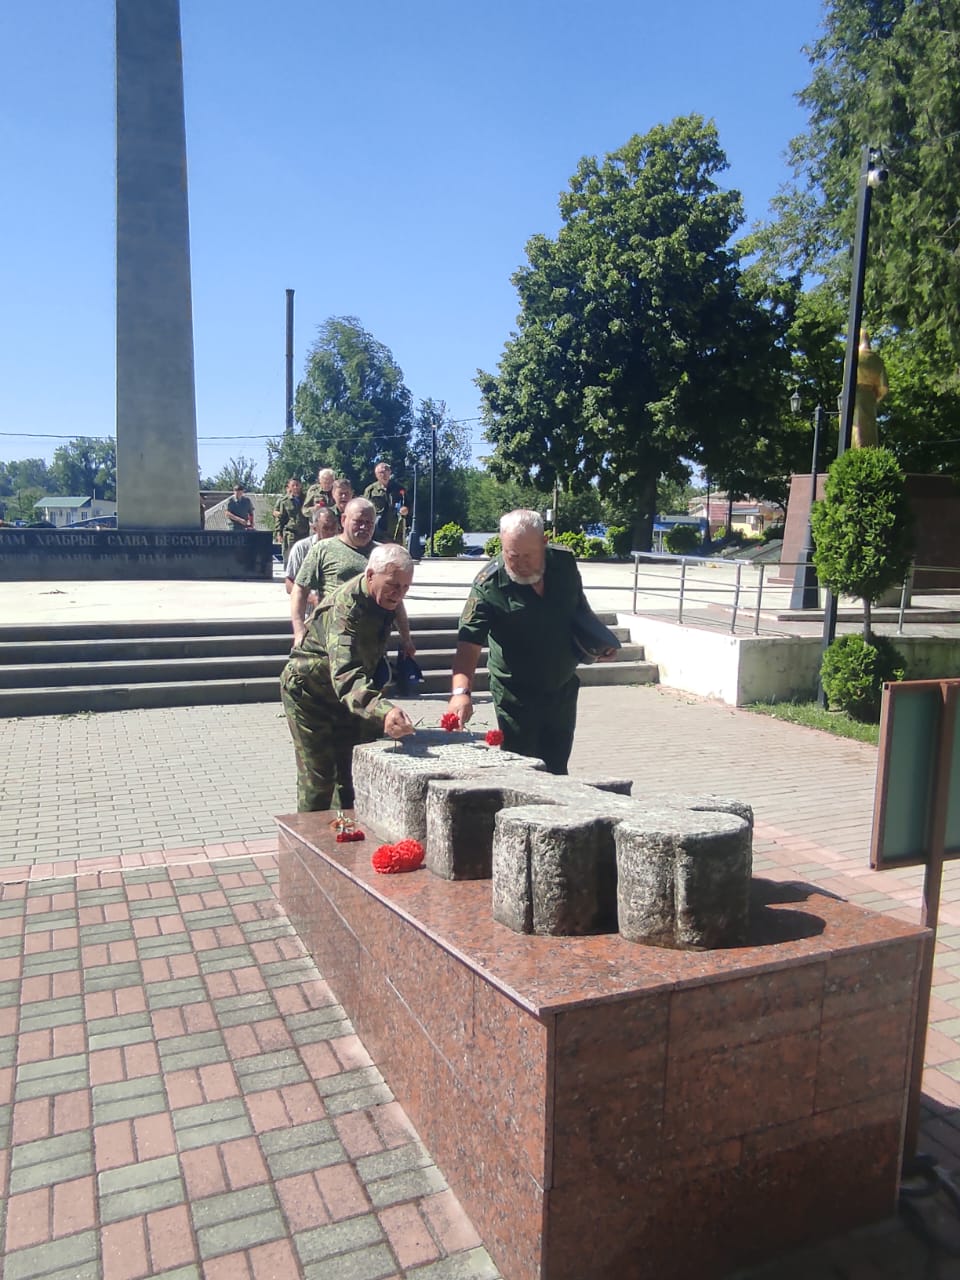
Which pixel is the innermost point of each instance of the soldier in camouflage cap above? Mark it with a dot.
(329, 690)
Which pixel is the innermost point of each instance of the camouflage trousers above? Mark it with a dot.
(324, 735)
(538, 724)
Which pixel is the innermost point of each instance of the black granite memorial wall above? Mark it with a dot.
(44, 555)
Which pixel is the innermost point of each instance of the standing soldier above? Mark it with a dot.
(387, 496)
(289, 519)
(523, 605)
(331, 696)
(319, 492)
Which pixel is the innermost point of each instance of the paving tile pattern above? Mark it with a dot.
(180, 1093)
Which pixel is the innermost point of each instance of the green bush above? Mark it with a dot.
(577, 542)
(683, 539)
(853, 672)
(772, 533)
(619, 541)
(594, 549)
(491, 547)
(448, 540)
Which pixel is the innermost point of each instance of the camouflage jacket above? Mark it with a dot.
(384, 498)
(345, 642)
(289, 518)
(317, 497)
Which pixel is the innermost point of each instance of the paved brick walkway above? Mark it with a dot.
(181, 1095)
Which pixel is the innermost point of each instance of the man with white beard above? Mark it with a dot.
(522, 605)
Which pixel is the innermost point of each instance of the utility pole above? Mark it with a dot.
(433, 485)
(289, 398)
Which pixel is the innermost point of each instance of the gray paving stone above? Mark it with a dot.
(108, 931)
(126, 1028)
(406, 1186)
(50, 920)
(271, 1070)
(237, 1220)
(71, 1257)
(63, 961)
(338, 1238)
(348, 1081)
(127, 1099)
(132, 1190)
(174, 992)
(252, 1006)
(287, 973)
(475, 1264)
(41, 1015)
(208, 918)
(199, 1049)
(218, 959)
(412, 1155)
(299, 1135)
(8, 1050)
(165, 944)
(211, 1122)
(9, 991)
(110, 977)
(52, 1075)
(48, 1161)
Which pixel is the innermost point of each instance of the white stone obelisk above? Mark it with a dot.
(157, 481)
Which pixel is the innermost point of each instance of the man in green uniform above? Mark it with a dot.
(289, 520)
(329, 692)
(334, 561)
(522, 604)
(386, 494)
(319, 493)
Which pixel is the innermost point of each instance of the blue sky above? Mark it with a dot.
(387, 160)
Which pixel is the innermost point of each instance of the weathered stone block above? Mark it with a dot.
(567, 856)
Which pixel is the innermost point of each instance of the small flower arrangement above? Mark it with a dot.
(347, 830)
(405, 855)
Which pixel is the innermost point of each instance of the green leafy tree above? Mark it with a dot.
(863, 528)
(27, 473)
(85, 467)
(237, 471)
(489, 498)
(638, 342)
(352, 408)
(886, 74)
(452, 457)
(22, 504)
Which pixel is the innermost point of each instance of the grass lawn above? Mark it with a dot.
(815, 717)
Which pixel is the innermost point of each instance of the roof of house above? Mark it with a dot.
(58, 500)
(215, 517)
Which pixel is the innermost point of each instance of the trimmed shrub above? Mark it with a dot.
(577, 542)
(853, 672)
(491, 548)
(594, 549)
(619, 541)
(448, 540)
(683, 539)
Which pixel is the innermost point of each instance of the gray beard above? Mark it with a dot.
(527, 580)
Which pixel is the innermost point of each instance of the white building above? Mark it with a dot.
(60, 510)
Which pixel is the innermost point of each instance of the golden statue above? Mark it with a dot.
(872, 386)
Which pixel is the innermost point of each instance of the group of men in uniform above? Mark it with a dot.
(294, 512)
(521, 606)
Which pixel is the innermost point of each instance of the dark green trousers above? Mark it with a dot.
(538, 724)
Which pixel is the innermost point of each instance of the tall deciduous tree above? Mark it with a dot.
(236, 471)
(886, 74)
(452, 456)
(352, 408)
(637, 344)
(85, 467)
(26, 473)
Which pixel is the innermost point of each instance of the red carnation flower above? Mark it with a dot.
(449, 721)
(405, 855)
(494, 738)
(384, 860)
(348, 837)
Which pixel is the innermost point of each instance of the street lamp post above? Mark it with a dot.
(806, 588)
(433, 486)
(872, 175)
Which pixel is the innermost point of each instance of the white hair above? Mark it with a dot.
(387, 554)
(326, 471)
(521, 521)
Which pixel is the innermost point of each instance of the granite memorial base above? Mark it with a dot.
(606, 1110)
(45, 555)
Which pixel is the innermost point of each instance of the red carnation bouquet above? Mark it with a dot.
(405, 855)
(494, 738)
(450, 721)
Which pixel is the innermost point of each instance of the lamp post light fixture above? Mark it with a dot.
(872, 175)
(806, 587)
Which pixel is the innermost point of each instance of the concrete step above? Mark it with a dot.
(85, 667)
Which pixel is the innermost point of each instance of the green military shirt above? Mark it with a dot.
(317, 497)
(529, 636)
(345, 641)
(331, 562)
(291, 523)
(383, 498)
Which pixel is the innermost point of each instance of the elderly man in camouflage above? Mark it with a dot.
(328, 686)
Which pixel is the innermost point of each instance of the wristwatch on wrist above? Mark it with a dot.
(458, 693)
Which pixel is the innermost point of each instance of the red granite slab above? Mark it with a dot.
(607, 1109)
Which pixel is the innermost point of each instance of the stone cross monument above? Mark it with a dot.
(157, 479)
